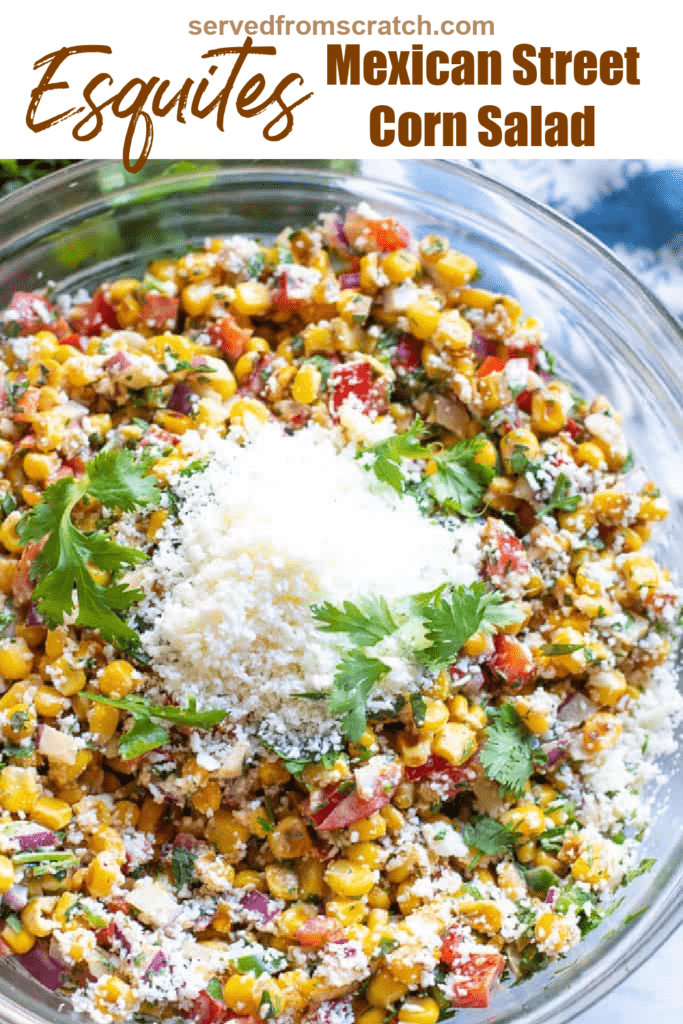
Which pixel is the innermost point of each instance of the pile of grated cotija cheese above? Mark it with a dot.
(334, 666)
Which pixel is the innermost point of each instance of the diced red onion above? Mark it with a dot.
(180, 400)
(550, 895)
(42, 966)
(16, 897)
(260, 904)
(118, 362)
(33, 616)
(554, 752)
(123, 939)
(333, 231)
(349, 280)
(157, 963)
(30, 840)
(482, 346)
(574, 709)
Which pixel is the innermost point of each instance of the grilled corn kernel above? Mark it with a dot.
(19, 788)
(251, 299)
(228, 835)
(423, 318)
(306, 384)
(118, 679)
(548, 415)
(455, 269)
(102, 875)
(6, 873)
(8, 532)
(455, 743)
(36, 916)
(240, 994)
(18, 940)
(414, 750)
(16, 660)
(588, 453)
(419, 1010)
(607, 686)
(518, 447)
(374, 1015)
(65, 678)
(400, 265)
(243, 410)
(282, 882)
(372, 827)
(350, 879)
(553, 933)
(483, 915)
(384, 990)
(600, 731)
(526, 819)
(310, 879)
(290, 839)
(52, 813)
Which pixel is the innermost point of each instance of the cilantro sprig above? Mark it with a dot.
(452, 617)
(457, 482)
(365, 623)
(356, 676)
(509, 755)
(446, 617)
(489, 836)
(388, 454)
(560, 499)
(117, 480)
(146, 733)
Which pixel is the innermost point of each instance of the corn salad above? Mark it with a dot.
(472, 829)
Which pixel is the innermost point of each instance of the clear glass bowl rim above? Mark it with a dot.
(643, 936)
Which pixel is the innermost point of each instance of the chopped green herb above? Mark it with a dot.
(117, 479)
(452, 618)
(355, 678)
(365, 623)
(560, 499)
(386, 456)
(147, 735)
(509, 754)
(182, 865)
(489, 836)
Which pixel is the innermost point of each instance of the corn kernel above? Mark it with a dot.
(400, 265)
(8, 532)
(52, 813)
(243, 410)
(455, 269)
(306, 384)
(20, 788)
(455, 743)
(419, 1010)
(6, 873)
(118, 679)
(384, 990)
(526, 819)
(547, 413)
(350, 879)
(19, 941)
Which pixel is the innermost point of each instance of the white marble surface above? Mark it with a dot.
(654, 993)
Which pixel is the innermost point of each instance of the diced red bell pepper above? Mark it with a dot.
(98, 314)
(318, 931)
(61, 328)
(105, 936)
(282, 300)
(31, 312)
(206, 1010)
(387, 234)
(436, 767)
(408, 355)
(230, 337)
(491, 364)
(357, 379)
(159, 311)
(574, 429)
(74, 340)
(341, 809)
(523, 401)
(529, 352)
(509, 555)
(512, 661)
(27, 405)
(474, 973)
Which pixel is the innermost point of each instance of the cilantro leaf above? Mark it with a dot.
(354, 680)
(387, 455)
(560, 499)
(452, 618)
(489, 836)
(117, 479)
(645, 865)
(147, 734)
(182, 865)
(458, 482)
(215, 990)
(508, 756)
(557, 650)
(365, 623)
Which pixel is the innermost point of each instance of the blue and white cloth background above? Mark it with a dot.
(636, 208)
(633, 206)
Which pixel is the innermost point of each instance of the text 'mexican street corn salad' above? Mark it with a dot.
(334, 667)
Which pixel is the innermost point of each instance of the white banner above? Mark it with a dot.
(268, 79)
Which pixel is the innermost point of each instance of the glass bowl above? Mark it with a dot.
(94, 221)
